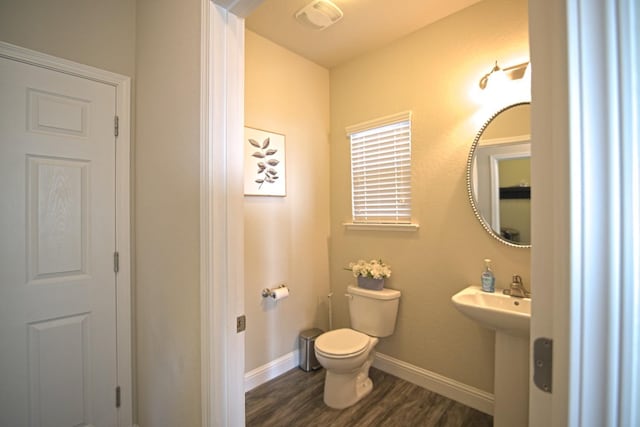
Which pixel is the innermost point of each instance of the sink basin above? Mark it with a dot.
(495, 310)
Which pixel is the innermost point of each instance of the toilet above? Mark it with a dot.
(347, 353)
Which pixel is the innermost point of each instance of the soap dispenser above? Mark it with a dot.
(488, 279)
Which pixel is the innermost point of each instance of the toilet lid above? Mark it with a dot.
(342, 342)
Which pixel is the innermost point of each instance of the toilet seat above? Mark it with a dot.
(342, 343)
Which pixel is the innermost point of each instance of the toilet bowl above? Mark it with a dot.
(347, 354)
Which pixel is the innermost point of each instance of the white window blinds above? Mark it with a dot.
(381, 170)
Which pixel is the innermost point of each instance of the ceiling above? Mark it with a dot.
(366, 25)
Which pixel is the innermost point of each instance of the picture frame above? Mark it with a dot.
(264, 166)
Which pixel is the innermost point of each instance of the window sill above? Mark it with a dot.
(381, 227)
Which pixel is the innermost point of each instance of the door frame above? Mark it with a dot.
(604, 60)
(122, 85)
(584, 257)
(221, 211)
(550, 260)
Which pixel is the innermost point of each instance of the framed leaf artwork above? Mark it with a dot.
(264, 163)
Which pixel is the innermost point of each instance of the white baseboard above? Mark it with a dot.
(452, 389)
(264, 373)
(467, 395)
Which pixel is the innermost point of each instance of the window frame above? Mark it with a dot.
(407, 223)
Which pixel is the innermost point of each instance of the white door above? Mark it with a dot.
(57, 231)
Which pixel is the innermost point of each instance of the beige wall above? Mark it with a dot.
(432, 73)
(287, 238)
(96, 33)
(157, 43)
(167, 212)
(513, 122)
(91, 32)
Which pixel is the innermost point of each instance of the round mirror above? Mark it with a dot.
(499, 175)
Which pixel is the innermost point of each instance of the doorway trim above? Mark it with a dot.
(221, 215)
(584, 260)
(122, 85)
(603, 57)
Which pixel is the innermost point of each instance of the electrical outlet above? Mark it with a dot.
(241, 323)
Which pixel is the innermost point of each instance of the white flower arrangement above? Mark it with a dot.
(374, 268)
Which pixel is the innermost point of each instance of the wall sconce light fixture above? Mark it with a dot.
(497, 74)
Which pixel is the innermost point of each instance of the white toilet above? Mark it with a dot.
(347, 354)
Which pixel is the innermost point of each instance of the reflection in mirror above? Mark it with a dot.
(499, 175)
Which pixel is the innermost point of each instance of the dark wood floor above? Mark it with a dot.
(295, 399)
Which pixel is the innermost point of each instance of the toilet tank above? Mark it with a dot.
(373, 312)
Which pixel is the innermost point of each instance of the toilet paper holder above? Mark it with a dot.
(266, 292)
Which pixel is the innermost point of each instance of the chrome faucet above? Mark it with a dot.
(517, 288)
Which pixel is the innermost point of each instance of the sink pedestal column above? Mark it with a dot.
(511, 381)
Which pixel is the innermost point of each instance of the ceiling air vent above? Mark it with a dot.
(319, 14)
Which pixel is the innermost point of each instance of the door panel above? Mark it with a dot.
(57, 282)
(57, 114)
(59, 360)
(57, 234)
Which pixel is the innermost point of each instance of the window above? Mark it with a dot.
(381, 170)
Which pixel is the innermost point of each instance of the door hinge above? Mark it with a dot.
(116, 262)
(543, 363)
(117, 396)
(116, 125)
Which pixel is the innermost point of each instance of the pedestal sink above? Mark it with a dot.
(495, 310)
(510, 317)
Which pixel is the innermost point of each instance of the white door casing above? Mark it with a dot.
(585, 270)
(487, 176)
(64, 312)
(549, 226)
(221, 207)
(604, 64)
(221, 204)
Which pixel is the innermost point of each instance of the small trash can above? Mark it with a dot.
(308, 360)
